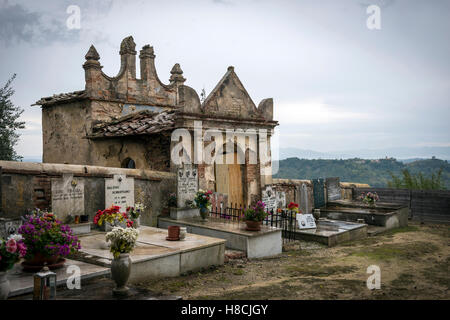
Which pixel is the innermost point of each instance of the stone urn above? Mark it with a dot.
(120, 272)
(4, 285)
(316, 214)
(253, 225)
(204, 212)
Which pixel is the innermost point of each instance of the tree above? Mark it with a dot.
(417, 181)
(9, 113)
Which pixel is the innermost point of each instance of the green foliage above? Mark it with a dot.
(376, 173)
(8, 123)
(417, 181)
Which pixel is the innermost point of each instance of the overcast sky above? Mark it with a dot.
(336, 84)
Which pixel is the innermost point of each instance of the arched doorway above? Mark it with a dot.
(129, 163)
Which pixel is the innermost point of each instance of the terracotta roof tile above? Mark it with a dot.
(139, 123)
(63, 97)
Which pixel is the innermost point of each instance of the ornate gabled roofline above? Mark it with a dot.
(230, 72)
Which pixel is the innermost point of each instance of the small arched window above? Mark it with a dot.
(129, 163)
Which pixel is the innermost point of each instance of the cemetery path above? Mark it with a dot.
(414, 264)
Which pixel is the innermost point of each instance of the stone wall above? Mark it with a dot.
(65, 127)
(25, 186)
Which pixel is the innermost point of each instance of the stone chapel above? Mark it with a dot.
(127, 122)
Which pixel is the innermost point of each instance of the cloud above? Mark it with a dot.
(47, 23)
(18, 24)
(223, 2)
(316, 112)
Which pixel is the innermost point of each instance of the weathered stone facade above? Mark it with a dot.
(122, 118)
(26, 185)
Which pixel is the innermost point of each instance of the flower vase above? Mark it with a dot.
(107, 226)
(204, 212)
(253, 225)
(120, 272)
(4, 285)
(137, 222)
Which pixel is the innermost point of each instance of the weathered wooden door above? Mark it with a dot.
(229, 181)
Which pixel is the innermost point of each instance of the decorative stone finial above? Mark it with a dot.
(92, 54)
(177, 74)
(128, 46)
(147, 52)
(230, 68)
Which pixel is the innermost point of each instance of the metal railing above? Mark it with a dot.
(282, 219)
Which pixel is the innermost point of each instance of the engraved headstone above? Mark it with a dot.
(333, 189)
(187, 184)
(318, 192)
(269, 197)
(281, 199)
(67, 196)
(119, 191)
(304, 201)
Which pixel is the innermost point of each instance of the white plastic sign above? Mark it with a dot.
(306, 221)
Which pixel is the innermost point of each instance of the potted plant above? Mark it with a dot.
(47, 240)
(110, 217)
(254, 216)
(135, 213)
(11, 251)
(369, 198)
(123, 241)
(172, 200)
(203, 202)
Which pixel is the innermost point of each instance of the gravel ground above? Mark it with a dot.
(414, 264)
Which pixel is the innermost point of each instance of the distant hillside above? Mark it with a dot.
(373, 172)
(409, 153)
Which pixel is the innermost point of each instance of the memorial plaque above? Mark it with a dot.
(119, 191)
(306, 221)
(67, 197)
(333, 189)
(281, 199)
(187, 184)
(269, 197)
(304, 201)
(318, 192)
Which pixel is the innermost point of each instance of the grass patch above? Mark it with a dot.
(440, 230)
(401, 230)
(284, 290)
(318, 271)
(176, 285)
(362, 242)
(299, 253)
(438, 273)
(238, 272)
(402, 251)
(404, 279)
